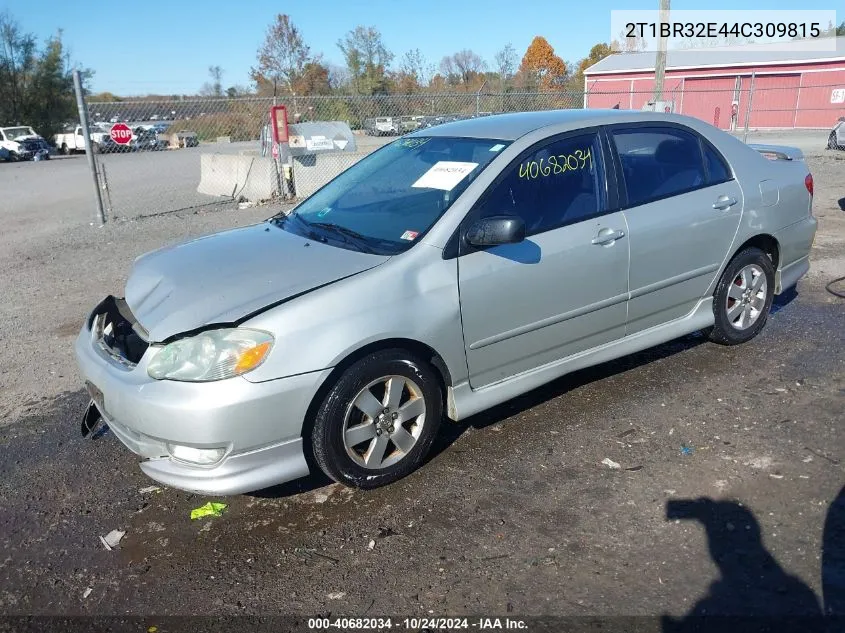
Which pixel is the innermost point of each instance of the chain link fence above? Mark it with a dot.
(194, 153)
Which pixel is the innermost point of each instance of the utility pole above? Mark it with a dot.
(478, 97)
(89, 153)
(660, 61)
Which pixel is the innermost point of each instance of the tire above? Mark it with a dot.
(65, 149)
(344, 456)
(739, 310)
(831, 141)
(95, 148)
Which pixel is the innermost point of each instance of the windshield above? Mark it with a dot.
(388, 199)
(14, 132)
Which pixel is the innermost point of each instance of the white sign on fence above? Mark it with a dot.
(837, 95)
(318, 142)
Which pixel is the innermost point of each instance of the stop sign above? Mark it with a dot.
(120, 133)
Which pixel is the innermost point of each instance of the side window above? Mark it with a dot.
(717, 169)
(659, 162)
(559, 183)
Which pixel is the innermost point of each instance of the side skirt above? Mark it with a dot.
(464, 401)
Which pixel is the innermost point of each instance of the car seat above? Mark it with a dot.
(681, 166)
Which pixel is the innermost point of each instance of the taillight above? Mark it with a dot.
(808, 182)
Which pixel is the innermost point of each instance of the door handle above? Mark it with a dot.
(607, 238)
(724, 202)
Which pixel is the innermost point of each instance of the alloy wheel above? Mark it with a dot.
(384, 422)
(746, 297)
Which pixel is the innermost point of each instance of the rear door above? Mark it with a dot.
(563, 289)
(682, 206)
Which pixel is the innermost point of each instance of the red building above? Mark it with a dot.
(793, 85)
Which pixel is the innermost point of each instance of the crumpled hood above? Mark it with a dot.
(225, 276)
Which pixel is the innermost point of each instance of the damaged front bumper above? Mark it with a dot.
(219, 438)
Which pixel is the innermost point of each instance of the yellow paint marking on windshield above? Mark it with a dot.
(412, 143)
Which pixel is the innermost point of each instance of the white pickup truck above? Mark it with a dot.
(22, 143)
(71, 140)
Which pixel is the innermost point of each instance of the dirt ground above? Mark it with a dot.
(730, 463)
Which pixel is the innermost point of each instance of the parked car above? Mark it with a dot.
(382, 126)
(185, 138)
(836, 139)
(72, 140)
(441, 275)
(23, 143)
(408, 124)
(145, 139)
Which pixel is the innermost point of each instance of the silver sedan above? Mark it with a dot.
(449, 271)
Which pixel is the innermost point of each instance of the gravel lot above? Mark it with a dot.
(140, 184)
(513, 515)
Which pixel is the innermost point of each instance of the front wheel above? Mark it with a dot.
(378, 421)
(743, 297)
(831, 141)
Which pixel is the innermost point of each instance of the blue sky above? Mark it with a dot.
(166, 47)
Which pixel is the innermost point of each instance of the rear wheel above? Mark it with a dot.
(378, 421)
(743, 297)
(65, 149)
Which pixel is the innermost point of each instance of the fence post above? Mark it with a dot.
(748, 108)
(86, 135)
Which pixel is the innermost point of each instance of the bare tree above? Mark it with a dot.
(215, 87)
(462, 67)
(506, 61)
(468, 64)
(448, 70)
(283, 55)
(633, 44)
(415, 66)
(338, 77)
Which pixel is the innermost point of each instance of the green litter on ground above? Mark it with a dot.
(210, 509)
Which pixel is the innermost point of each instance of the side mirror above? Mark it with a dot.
(492, 231)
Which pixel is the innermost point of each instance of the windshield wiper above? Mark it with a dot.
(281, 218)
(360, 240)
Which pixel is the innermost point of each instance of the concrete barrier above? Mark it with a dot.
(233, 176)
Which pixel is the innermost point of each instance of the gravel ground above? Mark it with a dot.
(140, 184)
(514, 514)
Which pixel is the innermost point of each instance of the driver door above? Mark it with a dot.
(564, 288)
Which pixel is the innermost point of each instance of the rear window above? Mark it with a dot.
(717, 168)
(659, 162)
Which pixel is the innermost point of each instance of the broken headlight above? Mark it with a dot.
(211, 355)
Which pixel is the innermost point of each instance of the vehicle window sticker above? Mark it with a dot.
(444, 175)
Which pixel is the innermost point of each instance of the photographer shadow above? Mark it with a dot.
(753, 593)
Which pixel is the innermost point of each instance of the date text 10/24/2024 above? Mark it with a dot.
(417, 624)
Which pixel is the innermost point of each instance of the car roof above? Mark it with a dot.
(511, 126)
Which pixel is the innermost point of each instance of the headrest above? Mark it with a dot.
(681, 153)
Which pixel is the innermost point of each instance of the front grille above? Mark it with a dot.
(116, 332)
